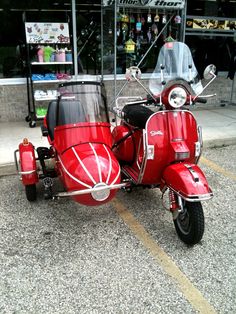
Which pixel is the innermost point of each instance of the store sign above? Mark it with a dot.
(47, 33)
(158, 4)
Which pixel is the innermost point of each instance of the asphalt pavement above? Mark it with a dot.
(61, 257)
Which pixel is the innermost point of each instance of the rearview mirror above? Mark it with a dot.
(209, 72)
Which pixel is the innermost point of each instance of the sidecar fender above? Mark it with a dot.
(28, 167)
(188, 181)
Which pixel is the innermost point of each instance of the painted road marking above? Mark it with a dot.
(192, 294)
(217, 168)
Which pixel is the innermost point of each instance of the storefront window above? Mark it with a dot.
(210, 33)
(124, 44)
(13, 50)
(133, 33)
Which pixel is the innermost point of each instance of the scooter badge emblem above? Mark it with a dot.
(153, 133)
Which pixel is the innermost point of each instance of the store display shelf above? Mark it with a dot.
(44, 98)
(52, 98)
(50, 63)
(50, 81)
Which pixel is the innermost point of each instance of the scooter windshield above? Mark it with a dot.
(176, 60)
(82, 102)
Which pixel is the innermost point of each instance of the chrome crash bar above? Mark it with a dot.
(91, 190)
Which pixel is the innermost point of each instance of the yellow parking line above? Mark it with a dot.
(217, 168)
(192, 294)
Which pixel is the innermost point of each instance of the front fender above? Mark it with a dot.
(188, 181)
(28, 164)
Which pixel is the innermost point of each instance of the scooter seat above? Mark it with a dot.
(137, 115)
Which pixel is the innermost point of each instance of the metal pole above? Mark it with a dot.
(183, 22)
(115, 49)
(73, 6)
(102, 40)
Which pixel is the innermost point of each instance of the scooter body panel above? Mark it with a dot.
(188, 181)
(125, 151)
(28, 164)
(69, 135)
(168, 135)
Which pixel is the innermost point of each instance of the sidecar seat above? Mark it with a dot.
(51, 118)
(137, 115)
(69, 112)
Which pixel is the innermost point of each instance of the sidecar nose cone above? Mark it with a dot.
(101, 192)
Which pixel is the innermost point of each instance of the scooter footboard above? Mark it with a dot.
(188, 181)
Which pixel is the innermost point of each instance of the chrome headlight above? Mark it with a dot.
(177, 97)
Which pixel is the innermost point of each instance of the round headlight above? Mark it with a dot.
(177, 97)
(101, 192)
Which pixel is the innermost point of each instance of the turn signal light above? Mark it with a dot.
(25, 141)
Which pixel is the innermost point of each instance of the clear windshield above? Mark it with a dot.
(82, 102)
(178, 63)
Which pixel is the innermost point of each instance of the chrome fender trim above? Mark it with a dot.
(193, 198)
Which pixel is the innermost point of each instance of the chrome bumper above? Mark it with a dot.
(87, 191)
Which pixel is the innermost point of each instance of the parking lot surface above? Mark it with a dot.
(124, 257)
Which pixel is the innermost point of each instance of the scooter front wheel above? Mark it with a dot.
(189, 224)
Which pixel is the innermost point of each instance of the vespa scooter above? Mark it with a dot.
(158, 142)
(156, 145)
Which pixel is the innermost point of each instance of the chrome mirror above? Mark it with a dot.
(209, 72)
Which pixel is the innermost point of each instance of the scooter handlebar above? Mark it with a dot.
(201, 100)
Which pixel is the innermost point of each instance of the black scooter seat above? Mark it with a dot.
(137, 115)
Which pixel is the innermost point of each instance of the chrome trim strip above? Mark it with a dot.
(193, 198)
(90, 190)
(118, 174)
(144, 161)
(72, 177)
(17, 166)
(110, 163)
(98, 164)
(83, 166)
(15, 158)
(26, 172)
(200, 139)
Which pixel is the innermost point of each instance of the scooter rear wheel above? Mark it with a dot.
(31, 192)
(189, 225)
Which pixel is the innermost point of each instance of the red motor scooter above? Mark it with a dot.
(158, 142)
(156, 145)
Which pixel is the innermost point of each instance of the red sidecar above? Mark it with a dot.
(78, 130)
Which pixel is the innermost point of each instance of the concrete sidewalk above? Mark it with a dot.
(218, 125)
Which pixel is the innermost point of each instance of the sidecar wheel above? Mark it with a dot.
(27, 118)
(31, 193)
(189, 225)
(32, 124)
